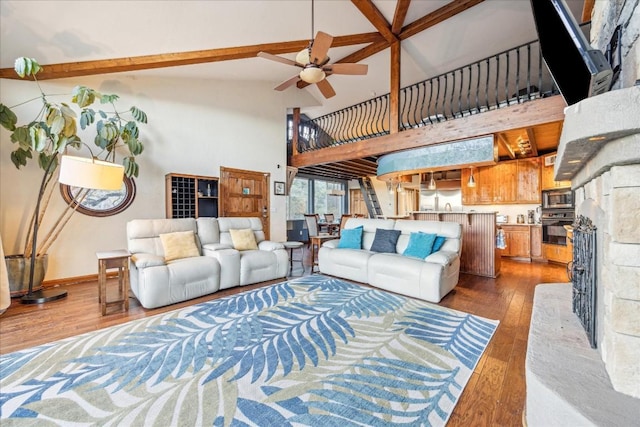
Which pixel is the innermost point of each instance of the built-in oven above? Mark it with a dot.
(553, 225)
(559, 198)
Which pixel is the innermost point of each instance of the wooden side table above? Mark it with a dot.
(113, 259)
(315, 242)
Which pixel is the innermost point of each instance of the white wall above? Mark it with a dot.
(195, 126)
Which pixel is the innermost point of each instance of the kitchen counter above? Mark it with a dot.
(479, 255)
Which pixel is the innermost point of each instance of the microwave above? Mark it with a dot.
(557, 198)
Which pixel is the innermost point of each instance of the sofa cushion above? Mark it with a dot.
(385, 240)
(351, 238)
(180, 244)
(437, 244)
(420, 245)
(244, 239)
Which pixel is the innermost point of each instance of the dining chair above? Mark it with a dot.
(329, 217)
(316, 238)
(343, 221)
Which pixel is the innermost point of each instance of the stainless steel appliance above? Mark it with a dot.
(559, 198)
(553, 225)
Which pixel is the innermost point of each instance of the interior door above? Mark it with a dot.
(245, 193)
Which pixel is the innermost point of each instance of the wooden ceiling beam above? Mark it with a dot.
(445, 12)
(146, 62)
(502, 140)
(377, 19)
(532, 141)
(587, 9)
(402, 6)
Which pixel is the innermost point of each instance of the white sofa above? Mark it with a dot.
(429, 279)
(156, 282)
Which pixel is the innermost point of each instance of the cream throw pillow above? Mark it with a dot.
(243, 240)
(181, 244)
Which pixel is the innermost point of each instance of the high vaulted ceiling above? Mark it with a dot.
(218, 39)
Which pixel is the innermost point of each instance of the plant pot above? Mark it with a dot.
(18, 268)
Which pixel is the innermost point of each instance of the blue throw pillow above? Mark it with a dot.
(385, 240)
(351, 238)
(420, 245)
(438, 243)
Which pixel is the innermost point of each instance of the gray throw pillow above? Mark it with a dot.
(385, 240)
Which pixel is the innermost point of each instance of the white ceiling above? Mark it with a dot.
(69, 31)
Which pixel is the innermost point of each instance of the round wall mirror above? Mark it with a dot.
(100, 202)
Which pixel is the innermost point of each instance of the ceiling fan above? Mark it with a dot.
(315, 64)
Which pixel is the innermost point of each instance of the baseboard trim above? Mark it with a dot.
(76, 279)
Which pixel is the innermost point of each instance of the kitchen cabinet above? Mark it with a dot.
(191, 196)
(558, 253)
(517, 238)
(536, 243)
(547, 165)
(528, 183)
(508, 182)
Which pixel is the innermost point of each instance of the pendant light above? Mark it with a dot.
(432, 183)
(472, 181)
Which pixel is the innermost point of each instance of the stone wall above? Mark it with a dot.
(605, 17)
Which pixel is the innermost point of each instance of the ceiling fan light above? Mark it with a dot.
(312, 75)
(303, 57)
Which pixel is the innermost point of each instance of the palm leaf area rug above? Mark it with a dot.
(311, 351)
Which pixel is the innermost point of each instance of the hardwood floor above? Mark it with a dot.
(495, 393)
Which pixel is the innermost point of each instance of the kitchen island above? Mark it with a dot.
(479, 254)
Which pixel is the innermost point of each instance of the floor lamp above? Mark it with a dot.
(82, 172)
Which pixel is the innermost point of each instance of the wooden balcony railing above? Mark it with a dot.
(507, 78)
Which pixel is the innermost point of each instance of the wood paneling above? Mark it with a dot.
(479, 255)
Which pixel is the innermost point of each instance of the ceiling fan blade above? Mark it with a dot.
(325, 88)
(352, 69)
(290, 82)
(276, 58)
(321, 45)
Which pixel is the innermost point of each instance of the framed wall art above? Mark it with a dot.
(278, 188)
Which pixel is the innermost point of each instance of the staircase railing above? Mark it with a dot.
(511, 77)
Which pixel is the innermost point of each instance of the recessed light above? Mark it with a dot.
(597, 138)
(574, 161)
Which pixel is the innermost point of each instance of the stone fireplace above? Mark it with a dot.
(600, 151)
(568, 382)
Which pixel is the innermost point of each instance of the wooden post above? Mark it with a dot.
(394, 90)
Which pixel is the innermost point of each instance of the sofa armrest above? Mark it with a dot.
(442, 257)
(143, 260)
(216, 246)
(268, 245)
(331, 243)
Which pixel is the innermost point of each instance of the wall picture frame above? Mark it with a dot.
(279, 188)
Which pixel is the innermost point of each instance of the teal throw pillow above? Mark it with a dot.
(351, 238)
(438, 243)
(385, 240)
(420, 245)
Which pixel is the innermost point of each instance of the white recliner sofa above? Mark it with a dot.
(429, 279)
(216, 265)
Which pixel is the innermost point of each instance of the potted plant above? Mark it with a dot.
(48, 136)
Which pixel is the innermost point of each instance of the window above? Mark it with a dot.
(315, 195)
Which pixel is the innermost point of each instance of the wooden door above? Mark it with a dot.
(245, 193)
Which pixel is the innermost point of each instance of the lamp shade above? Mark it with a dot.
(90, 173)
(312, 75)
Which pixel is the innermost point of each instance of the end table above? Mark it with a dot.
(113, 259)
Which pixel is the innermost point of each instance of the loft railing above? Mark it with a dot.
(507, 78)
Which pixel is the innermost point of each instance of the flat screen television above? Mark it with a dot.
(577, 69)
